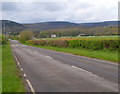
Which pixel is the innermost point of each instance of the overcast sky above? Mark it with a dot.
(81, 11)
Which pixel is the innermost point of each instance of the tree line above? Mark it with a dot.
(75, 31)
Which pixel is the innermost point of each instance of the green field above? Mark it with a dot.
(84, 37)
(11, 76)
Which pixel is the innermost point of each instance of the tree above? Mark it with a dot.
(25, 35)
(3, 39)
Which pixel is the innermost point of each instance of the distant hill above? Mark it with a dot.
(11, 27)
(100, 24)
(49, 25)
(61, 24)
(15, 28)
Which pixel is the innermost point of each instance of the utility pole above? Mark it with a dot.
(5, 32)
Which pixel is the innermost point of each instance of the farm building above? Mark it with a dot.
(81, 35)
(53, 36)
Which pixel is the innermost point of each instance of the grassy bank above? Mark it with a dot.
(100, 54)
(11, 77)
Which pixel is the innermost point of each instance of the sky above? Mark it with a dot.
(77, 11)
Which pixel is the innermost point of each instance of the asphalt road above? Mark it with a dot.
(52, 71)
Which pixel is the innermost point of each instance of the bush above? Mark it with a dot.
(25, 35)
(4, 39)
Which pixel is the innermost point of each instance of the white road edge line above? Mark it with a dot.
(19, 63)
(101, 60)
(24, 75)
(109, 62)
(30, 85)
(16, 59)
(21, 69)
(95, 59)
(28, 82)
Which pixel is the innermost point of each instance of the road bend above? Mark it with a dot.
(52, 71)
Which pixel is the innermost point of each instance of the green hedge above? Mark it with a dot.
(88, 44)
(95, 44)
(55, 43)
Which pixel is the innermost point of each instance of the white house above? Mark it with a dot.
(53, 36)
(81, 35)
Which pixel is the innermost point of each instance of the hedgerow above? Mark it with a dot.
(95, 44)
(55, 43)
(84, 43)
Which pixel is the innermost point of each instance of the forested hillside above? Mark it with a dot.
(75, 31)
(62, 28)
(11, 27)
(38, 27)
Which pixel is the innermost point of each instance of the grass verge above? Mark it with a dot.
(99, 54)
(11, 77)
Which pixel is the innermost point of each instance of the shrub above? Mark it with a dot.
(25, 35)
(4, 39)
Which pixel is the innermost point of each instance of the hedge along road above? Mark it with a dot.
(51, 71)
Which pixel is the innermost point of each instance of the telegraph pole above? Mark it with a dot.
(5, 32)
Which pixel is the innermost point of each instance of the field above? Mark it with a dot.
(105, 48)
(83, 37)
(11, 77)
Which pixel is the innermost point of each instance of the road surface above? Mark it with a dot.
(52, 71)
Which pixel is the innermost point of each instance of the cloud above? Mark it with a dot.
(80, 11)
(9, 6)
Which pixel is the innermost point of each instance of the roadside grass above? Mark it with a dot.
(99, 54)
(11, 77)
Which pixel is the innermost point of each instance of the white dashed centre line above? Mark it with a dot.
(35, 52)
(85, 71)
(49, 57)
